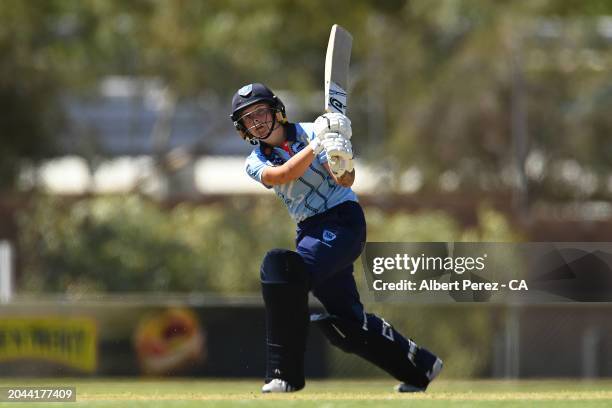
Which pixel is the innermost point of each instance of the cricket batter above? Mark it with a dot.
(310, 167)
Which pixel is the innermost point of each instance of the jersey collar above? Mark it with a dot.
(290, 135)
(291, 132)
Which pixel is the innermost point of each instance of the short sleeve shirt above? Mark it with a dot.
(312, 193)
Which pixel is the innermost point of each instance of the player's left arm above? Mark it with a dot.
(345, 180)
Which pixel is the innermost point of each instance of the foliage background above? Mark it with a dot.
(436, 84)
(484, 98)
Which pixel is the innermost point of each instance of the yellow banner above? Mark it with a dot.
(69, 341)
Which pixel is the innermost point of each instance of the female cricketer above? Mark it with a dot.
(309, 166)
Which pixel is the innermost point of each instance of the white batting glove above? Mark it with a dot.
(337, 146)
(333, 123)
(339, 153)
(317, 145)
(339, 166)
(349, 165)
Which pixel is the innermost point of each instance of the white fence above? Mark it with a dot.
(6, 272)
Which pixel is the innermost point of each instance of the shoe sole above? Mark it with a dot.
(435, 370)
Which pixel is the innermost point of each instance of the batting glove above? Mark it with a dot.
(333, 123)
(337, 146)
(317, 146)
(339, 166)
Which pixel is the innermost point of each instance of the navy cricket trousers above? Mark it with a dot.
(329, 243)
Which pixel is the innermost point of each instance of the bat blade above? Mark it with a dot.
(337, 62)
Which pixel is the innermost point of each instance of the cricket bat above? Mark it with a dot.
(337, 62)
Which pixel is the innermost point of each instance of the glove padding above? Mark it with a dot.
(317, 145)
(337, 146)
(339, 166)
(332, 123)
(339, 153)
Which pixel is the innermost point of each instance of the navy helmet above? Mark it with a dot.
(249, 95)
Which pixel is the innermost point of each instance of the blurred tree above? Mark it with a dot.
(447, 81)
(29, 114)
(433, 82)
(129, 244)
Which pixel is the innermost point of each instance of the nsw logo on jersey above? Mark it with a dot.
(328, 236)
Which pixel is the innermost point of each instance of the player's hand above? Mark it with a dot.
(337, 146)
(349, 165)
(339, 166)
(339, 153)
(316, 145)
(332, 123)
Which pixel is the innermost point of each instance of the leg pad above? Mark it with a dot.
(284, 286)
(379, 343)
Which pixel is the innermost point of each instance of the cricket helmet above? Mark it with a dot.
(249, 95)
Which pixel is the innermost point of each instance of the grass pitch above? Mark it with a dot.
(327, 393)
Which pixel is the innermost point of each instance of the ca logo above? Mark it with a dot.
(328, 235)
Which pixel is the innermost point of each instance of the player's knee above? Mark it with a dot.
(283, 266)
(342, 333)
(352, 312)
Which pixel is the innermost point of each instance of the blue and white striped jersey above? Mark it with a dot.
(314, 192)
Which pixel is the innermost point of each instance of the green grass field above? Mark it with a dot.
(328, 393)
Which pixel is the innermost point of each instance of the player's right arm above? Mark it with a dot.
(291, 170)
